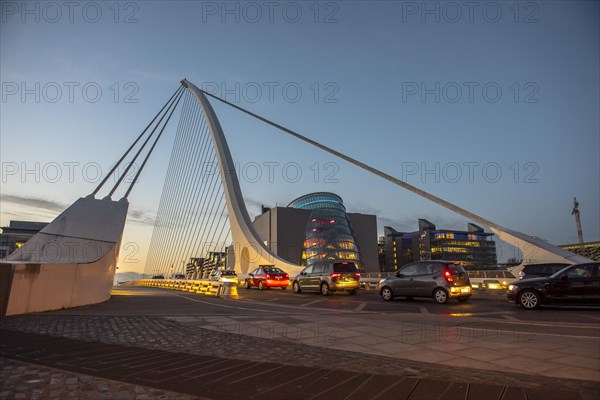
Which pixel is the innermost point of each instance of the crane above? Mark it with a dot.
(578, 222)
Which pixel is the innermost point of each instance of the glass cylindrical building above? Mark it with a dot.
(328, 235)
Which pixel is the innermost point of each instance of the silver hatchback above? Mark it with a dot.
(437, 279)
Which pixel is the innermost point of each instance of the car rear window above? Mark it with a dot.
(455, 268)
(273, 271)
(345, 267)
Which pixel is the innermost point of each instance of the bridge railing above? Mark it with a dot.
(210, 288)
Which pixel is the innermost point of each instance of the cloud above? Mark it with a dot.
(140, 217)
(37, 203)
(44, 206)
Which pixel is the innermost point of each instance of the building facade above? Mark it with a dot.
(590, 250)
(473, 248)
(316, 227)
(16, 234)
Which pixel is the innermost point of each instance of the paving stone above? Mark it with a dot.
(484, 392)
(513, 393)
(154, 334)
(456, 391)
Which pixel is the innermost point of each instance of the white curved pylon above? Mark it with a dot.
(249, 250)
(534, 250)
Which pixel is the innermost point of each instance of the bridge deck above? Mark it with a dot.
(115, 341)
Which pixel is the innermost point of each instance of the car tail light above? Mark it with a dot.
(357, 274)
(335, 275)
(448, 276)
(268, 276)
(287, 276)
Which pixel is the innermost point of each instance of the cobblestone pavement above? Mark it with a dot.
(164, 334)
(19, 380)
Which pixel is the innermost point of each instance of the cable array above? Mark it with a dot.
(191, 229)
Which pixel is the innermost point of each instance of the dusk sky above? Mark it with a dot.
(492, 106)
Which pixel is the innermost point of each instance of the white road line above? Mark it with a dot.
(227, 306)
(309, 303)
(361, 306)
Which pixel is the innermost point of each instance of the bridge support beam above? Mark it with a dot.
(69, 263)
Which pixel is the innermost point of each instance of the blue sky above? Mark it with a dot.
(499, 103)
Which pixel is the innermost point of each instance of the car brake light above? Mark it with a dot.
(448, 276)
(287, 276)
(335, 275)
(357, 274)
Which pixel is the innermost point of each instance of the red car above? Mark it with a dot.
(267, 277)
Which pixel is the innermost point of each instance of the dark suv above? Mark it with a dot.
(328, 277)
(540, 270)
(579, 283)
(438, 279)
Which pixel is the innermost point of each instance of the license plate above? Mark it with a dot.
(464, 290)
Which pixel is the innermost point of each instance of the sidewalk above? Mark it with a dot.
(228, 379)
(458, 356)
(494, 345)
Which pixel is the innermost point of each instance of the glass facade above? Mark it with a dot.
(328, 235)
(473, 248)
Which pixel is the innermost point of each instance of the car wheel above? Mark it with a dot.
(260, 285)
(387, 294)
(353, 292)
(463, 299)
(440, 296)
(248, 284)
(324, 289)
(296, 287)
(529, 299)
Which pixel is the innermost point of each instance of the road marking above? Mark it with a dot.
(309, 303)
(225, 305)
(360, 306)
(423, 310)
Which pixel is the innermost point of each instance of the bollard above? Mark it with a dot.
(229, 291)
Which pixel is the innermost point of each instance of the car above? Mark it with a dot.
(327, 277)
(540, 270)
(265, 277)
(224, 275)
(578, 283)
(438, 279)
(158, 277)
(177, 276)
